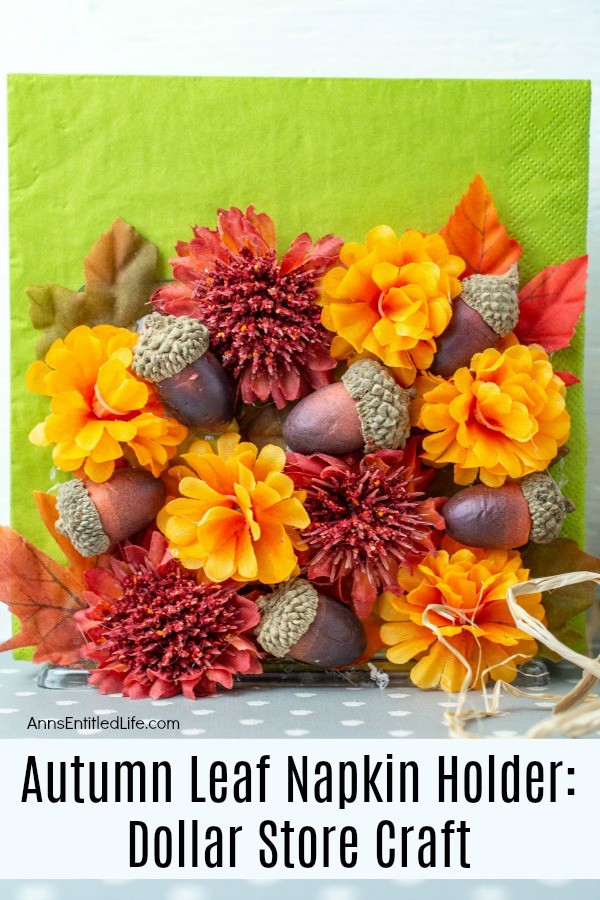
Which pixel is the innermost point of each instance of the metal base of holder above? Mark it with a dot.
(532, 674)
(63, 678)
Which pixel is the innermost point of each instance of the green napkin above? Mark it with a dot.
(320, 155)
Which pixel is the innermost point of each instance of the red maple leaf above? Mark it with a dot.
(550, 305)
(475, 233)
(43, 594)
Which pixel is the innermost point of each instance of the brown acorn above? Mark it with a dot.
(503, 518)
(94, 516)
(365, 409)
(311, 627)
(487, 310)
(172, 352)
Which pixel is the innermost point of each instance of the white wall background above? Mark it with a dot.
(378, 38)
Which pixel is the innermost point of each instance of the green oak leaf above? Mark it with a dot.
(55, 311)
(566, 635)
(556, 558)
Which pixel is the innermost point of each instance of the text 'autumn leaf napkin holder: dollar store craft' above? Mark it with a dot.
(314, 455)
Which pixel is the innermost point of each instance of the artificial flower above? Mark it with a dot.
(391, 298)
(505, 416)
(368, 518)
(237, 513)
(100, 410)
(155, 631)
(471, 585)
(261, 312)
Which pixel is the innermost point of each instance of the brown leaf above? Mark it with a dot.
(556, 558)
(263, 424)
(443, 483)
(120, 272)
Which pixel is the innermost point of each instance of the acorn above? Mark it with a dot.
(299, 621)
(486, 310)
(172, 352)
(365, 409)
(95, 516)
(503, 518)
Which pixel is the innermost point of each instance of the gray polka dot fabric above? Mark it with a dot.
(254, 711)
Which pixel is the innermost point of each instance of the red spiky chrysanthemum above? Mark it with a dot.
(261, 312)
(155, 631)
(368, 518)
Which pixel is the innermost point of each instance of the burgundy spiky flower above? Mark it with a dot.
(261, 312)
(155, 631)
(368, 518)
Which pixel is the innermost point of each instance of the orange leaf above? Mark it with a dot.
(46, 505)
(475, 233)
(372, 625)
(43, 594)
(551, 304)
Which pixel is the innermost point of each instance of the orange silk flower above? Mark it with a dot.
(391, 299)
(99, 408)
(471, 585)
(237, 513)
(505, 416)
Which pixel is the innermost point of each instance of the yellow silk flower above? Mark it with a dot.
(99, 408)
(391, 299)
(471, 585)
(505, 416)
(237, 513)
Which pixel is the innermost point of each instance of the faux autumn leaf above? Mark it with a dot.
(475, 233)
(42, 593)
(551, 304)
(46, 507)
(53, 308)
(568, 636)
(563, 604)
(568, 378)
(372, 626)
(262, 425)
(120, 274)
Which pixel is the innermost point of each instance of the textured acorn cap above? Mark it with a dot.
(383, 406)
(79, 520)
(167, 345)
(495, 298)
(547, 506)
(286, 615)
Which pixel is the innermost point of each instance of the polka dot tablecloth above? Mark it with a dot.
(342, 711)
(300, 890)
